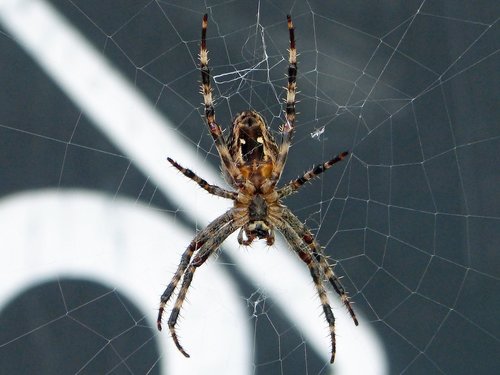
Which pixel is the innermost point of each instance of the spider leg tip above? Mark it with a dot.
(177, 343)
(181, 349)
(158, 320)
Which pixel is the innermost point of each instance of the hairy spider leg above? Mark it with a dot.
(303, 231)
(213, 127)
(212, 189)
(210, 246)
(197, 243)
(305, 254)
(288, 128)
(316, 170)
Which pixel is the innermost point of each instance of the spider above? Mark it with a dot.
(252, 163)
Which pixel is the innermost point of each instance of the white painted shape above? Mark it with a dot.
(52, 234)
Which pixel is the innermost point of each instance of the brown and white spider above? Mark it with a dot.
(252, 163)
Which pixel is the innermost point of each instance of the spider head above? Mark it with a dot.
(250, 139)
(258, 229)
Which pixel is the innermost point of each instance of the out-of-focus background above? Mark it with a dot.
(94, 95)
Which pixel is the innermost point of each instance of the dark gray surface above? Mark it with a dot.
(413, 217)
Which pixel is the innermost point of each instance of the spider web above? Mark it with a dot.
(95, 95)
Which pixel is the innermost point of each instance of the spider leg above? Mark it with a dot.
(196, 244)
(289, 127)
(210, 246)
(213, 127)
(305, 254)
(296, 184)
(306, 235)
(212, 189)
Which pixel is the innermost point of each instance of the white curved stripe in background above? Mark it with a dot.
(50, 234)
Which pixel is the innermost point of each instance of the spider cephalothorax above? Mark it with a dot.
(252, 163)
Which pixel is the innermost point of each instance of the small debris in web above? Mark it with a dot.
(317, 133)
